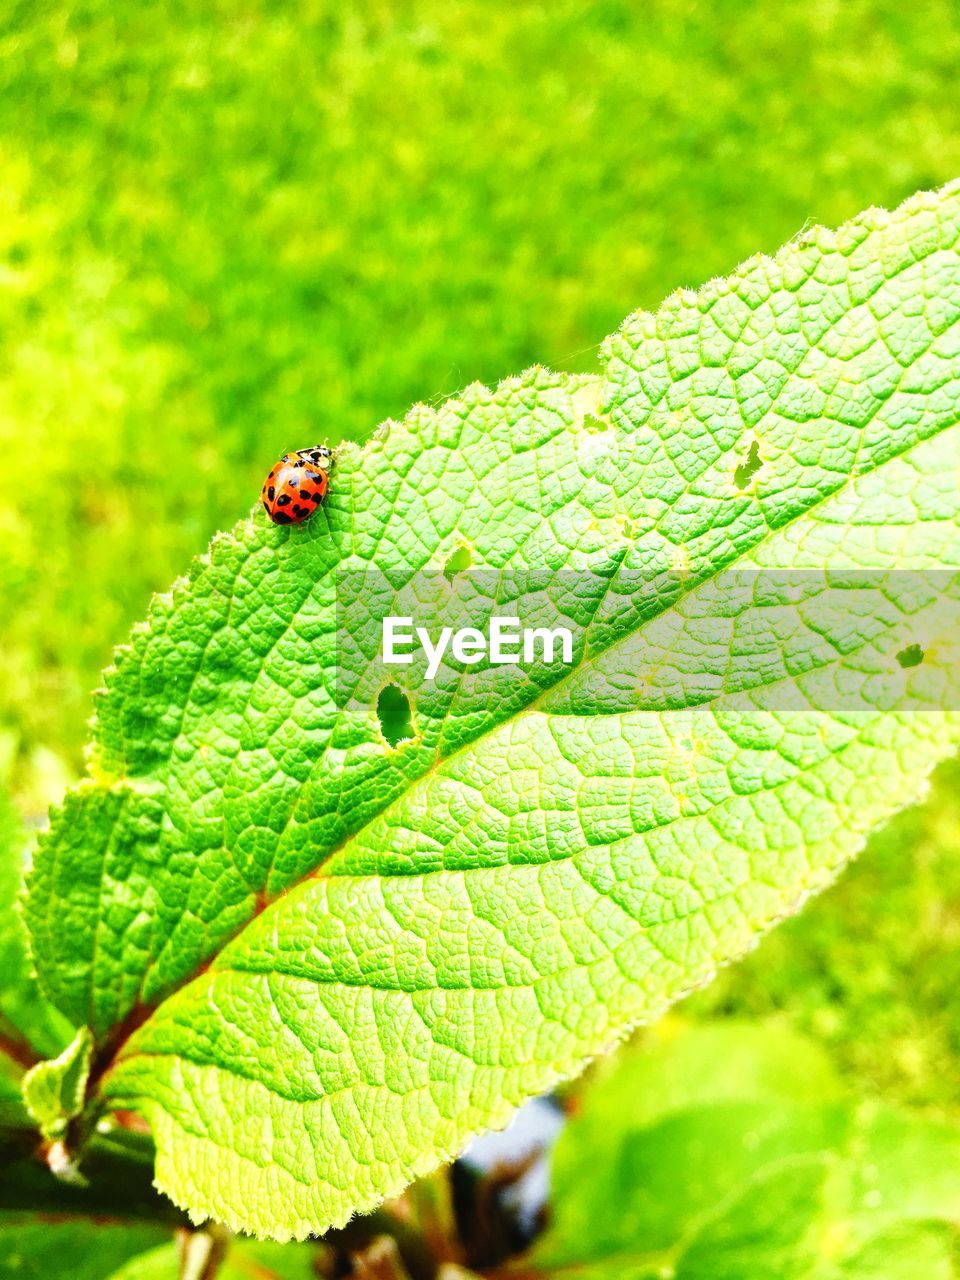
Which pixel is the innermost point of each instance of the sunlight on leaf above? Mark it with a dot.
(326, 961)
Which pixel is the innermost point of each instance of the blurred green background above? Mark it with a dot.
(229, 228)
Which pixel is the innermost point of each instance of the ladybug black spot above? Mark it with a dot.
(299, 512)
(284, 500)
(311, 475)
(315, 497)
(304, 495)
(266, 507)
(271, 493)
(280, 517)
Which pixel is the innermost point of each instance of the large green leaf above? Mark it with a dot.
(350, 956)
(757, 1168)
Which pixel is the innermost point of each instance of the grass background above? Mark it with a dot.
(231, 228)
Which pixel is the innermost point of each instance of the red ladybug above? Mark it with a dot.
(297, 485)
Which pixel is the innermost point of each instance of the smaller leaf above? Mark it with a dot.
(244, 1260)
(162, 1263)
(708, 1174)
(54, 1090)
(35, 1248)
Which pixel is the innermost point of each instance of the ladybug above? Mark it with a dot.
(297, 485)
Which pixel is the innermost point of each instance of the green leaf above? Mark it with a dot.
(54, 1090)
(872, 967)
(29, 1028)
(32, 1248)
(162, 1263)
(245, 1260)
(716, 1183)
(734, 1073)
(348, 957)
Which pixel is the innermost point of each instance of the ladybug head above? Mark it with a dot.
(319, 455)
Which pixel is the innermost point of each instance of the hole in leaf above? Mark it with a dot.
(749, 468)
(395, 715)
(458, 560)
(591, 422)
(911, 656)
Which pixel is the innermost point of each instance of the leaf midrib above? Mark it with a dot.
(851, 475)
(330, 854)
(536, 703)
(829, 493)
(800, 779)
